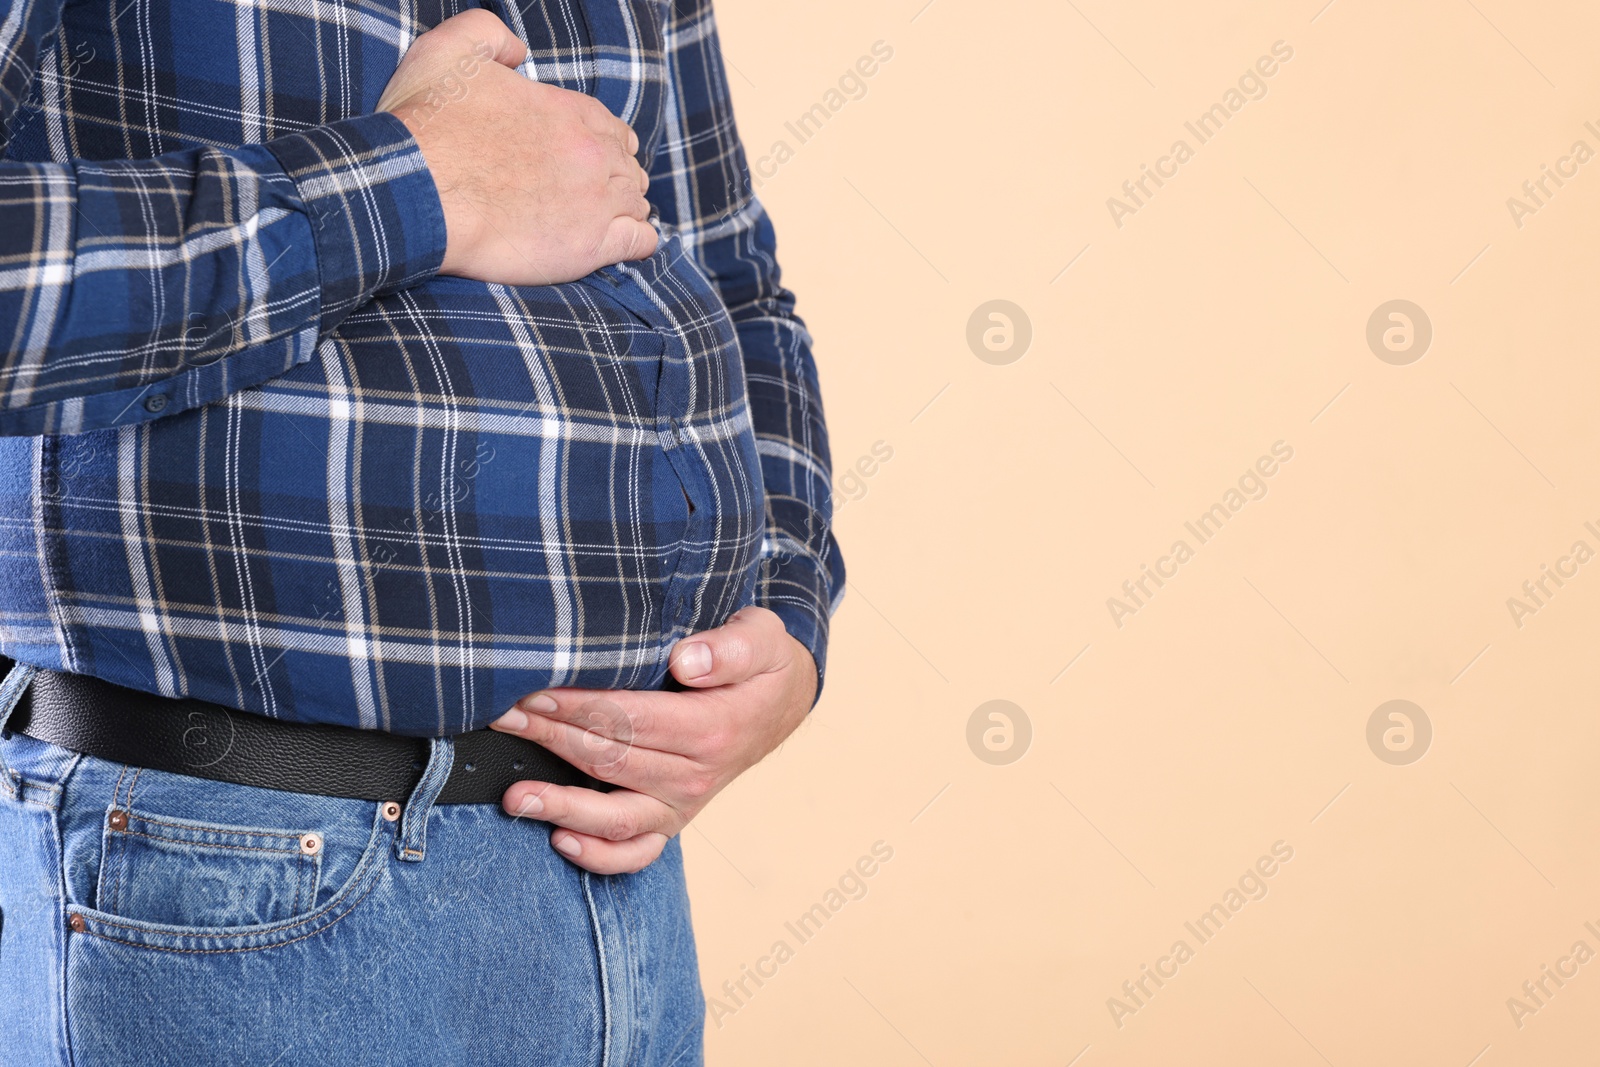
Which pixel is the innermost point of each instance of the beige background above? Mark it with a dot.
(1230, 712)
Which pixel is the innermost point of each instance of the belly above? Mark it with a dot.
(470, 493)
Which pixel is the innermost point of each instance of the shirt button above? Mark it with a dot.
(155, 402)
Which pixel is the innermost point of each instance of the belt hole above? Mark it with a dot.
(416, 765)
(517, 765)
(469, 767)
(391, 810)
(310, 844)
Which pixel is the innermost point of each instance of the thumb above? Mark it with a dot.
(490, 38)
(444, 58)
(753, 641)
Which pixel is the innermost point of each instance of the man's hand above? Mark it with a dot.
(670, 753)
(539, 184)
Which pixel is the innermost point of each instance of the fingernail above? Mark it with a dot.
(513, 720)
(541, 703)
(530, 804)
(570, 846)
(694, 661)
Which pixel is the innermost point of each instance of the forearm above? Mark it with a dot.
(199, 273)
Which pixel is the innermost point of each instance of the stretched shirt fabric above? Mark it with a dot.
(257, 451)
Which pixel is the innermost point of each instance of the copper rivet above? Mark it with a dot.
(391, 810)
(118, 820)
(310, 844)
(77, 923)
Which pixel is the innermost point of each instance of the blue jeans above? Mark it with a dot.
(150, 918)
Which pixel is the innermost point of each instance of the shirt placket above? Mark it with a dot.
(674, 423)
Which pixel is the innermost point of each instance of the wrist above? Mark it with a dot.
(374, 210)
(804, 666)
(415, 116)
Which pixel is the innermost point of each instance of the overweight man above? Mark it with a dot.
(405, 439)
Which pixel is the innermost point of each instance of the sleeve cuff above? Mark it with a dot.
(794, 586)
(374, 210)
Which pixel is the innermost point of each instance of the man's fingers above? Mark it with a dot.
(609, 857)
(630, 202)
(752, 642)
(600, 743)
(619, 816)
(627, 140)
(628, 238)
(602, 122)
(678, 723)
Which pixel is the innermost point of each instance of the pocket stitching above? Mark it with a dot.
(242, 948)
(209, 844)
(195, 827)
(368, 870)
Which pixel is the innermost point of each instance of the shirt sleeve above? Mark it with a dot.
(700, 184)
(134, 289)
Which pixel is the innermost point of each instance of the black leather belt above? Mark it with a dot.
(206, 740)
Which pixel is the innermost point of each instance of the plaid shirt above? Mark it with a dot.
(258, 452)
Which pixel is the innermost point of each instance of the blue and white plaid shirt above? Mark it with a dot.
(256, 451)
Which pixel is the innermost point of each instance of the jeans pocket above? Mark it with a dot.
(167, 861)
(164, 870)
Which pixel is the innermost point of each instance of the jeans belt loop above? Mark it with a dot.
(412, 844)
(11, 691)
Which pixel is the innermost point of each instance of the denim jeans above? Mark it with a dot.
(149, 918)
